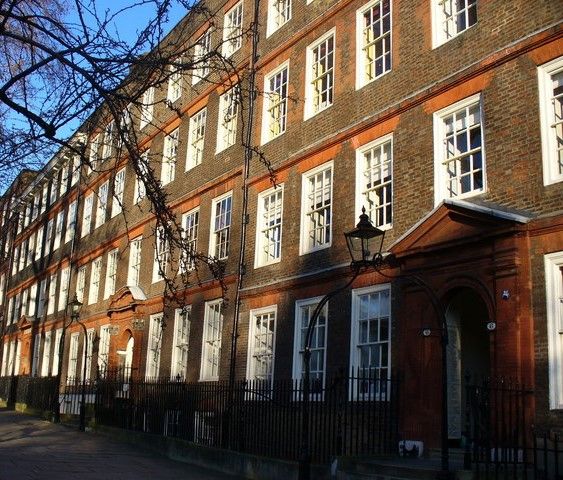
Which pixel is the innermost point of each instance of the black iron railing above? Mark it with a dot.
(35, 393)
(352, 415)
(349, 415)
(500, 440)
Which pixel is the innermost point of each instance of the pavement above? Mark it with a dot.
(34, 449)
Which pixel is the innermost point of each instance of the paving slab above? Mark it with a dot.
(34, 449)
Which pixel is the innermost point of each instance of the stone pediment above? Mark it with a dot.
(126, 298)
(453, 222)
(24, 323)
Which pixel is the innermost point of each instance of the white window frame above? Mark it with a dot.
(44, 197)
(147, 107)
(111, 273)
(102, 204)
(24, 302)
(87, 215)
(2, 287)
(27, 215)
(201, 51)
(81, 283)
(95, 278)
(140, 191)
(232, 30)
(23, 255)
(9, 318)
(181, 343)
(211, 341)
(54, 188)
(36, 354)
(554, 308)
(300, 330)
(161, 255)
(90, 333)
(268, 222)
(35, 209)
(134, 269)
(196, 139)
(190, 226)
(42, 298)
(266, 354)
(310, 108)
(385, 38)
(109, 134)
(58, 230)
(355, 355)
(12, 359)
(30, 250)
(15, 261)
(18, 356)
(439, 17)
(75, 170)
(306, 212)
(378, 172)
(220, 234)
(71, 372)
(63, 288)
(56, 352)
(154, 346)
(103, 349)
(52, 294)
(118, 189)
(71, 221)
(32, 305)
(279, 13)
(228, 119)
(48, 237)
(551, 173)
(169, 157)
(440, 160)
(174, 91)
(20, 222)
(274, 113)
(93, 155)
(125, 120)
(46, 354)
(5, 351)
(63, 185)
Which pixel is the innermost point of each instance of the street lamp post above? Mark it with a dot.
(365, 243)
(75, 306)
(361, 241)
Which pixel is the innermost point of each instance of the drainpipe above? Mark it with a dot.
(248, 154)
(73, 244)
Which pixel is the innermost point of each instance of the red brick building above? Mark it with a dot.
(442, 119)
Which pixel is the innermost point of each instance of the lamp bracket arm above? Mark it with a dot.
(320, 306)
(436, 303)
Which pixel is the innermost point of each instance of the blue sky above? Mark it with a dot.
(129, 24)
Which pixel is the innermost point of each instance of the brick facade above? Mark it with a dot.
(487, 243)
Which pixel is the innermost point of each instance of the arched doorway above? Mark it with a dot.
(125, 356)
(468, 352)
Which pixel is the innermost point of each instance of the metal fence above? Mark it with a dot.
(353, 415)
(35, 393)
(348, 415)
(501, 442)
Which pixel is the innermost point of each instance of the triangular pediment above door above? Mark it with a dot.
(127, 297)
(457, 221)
